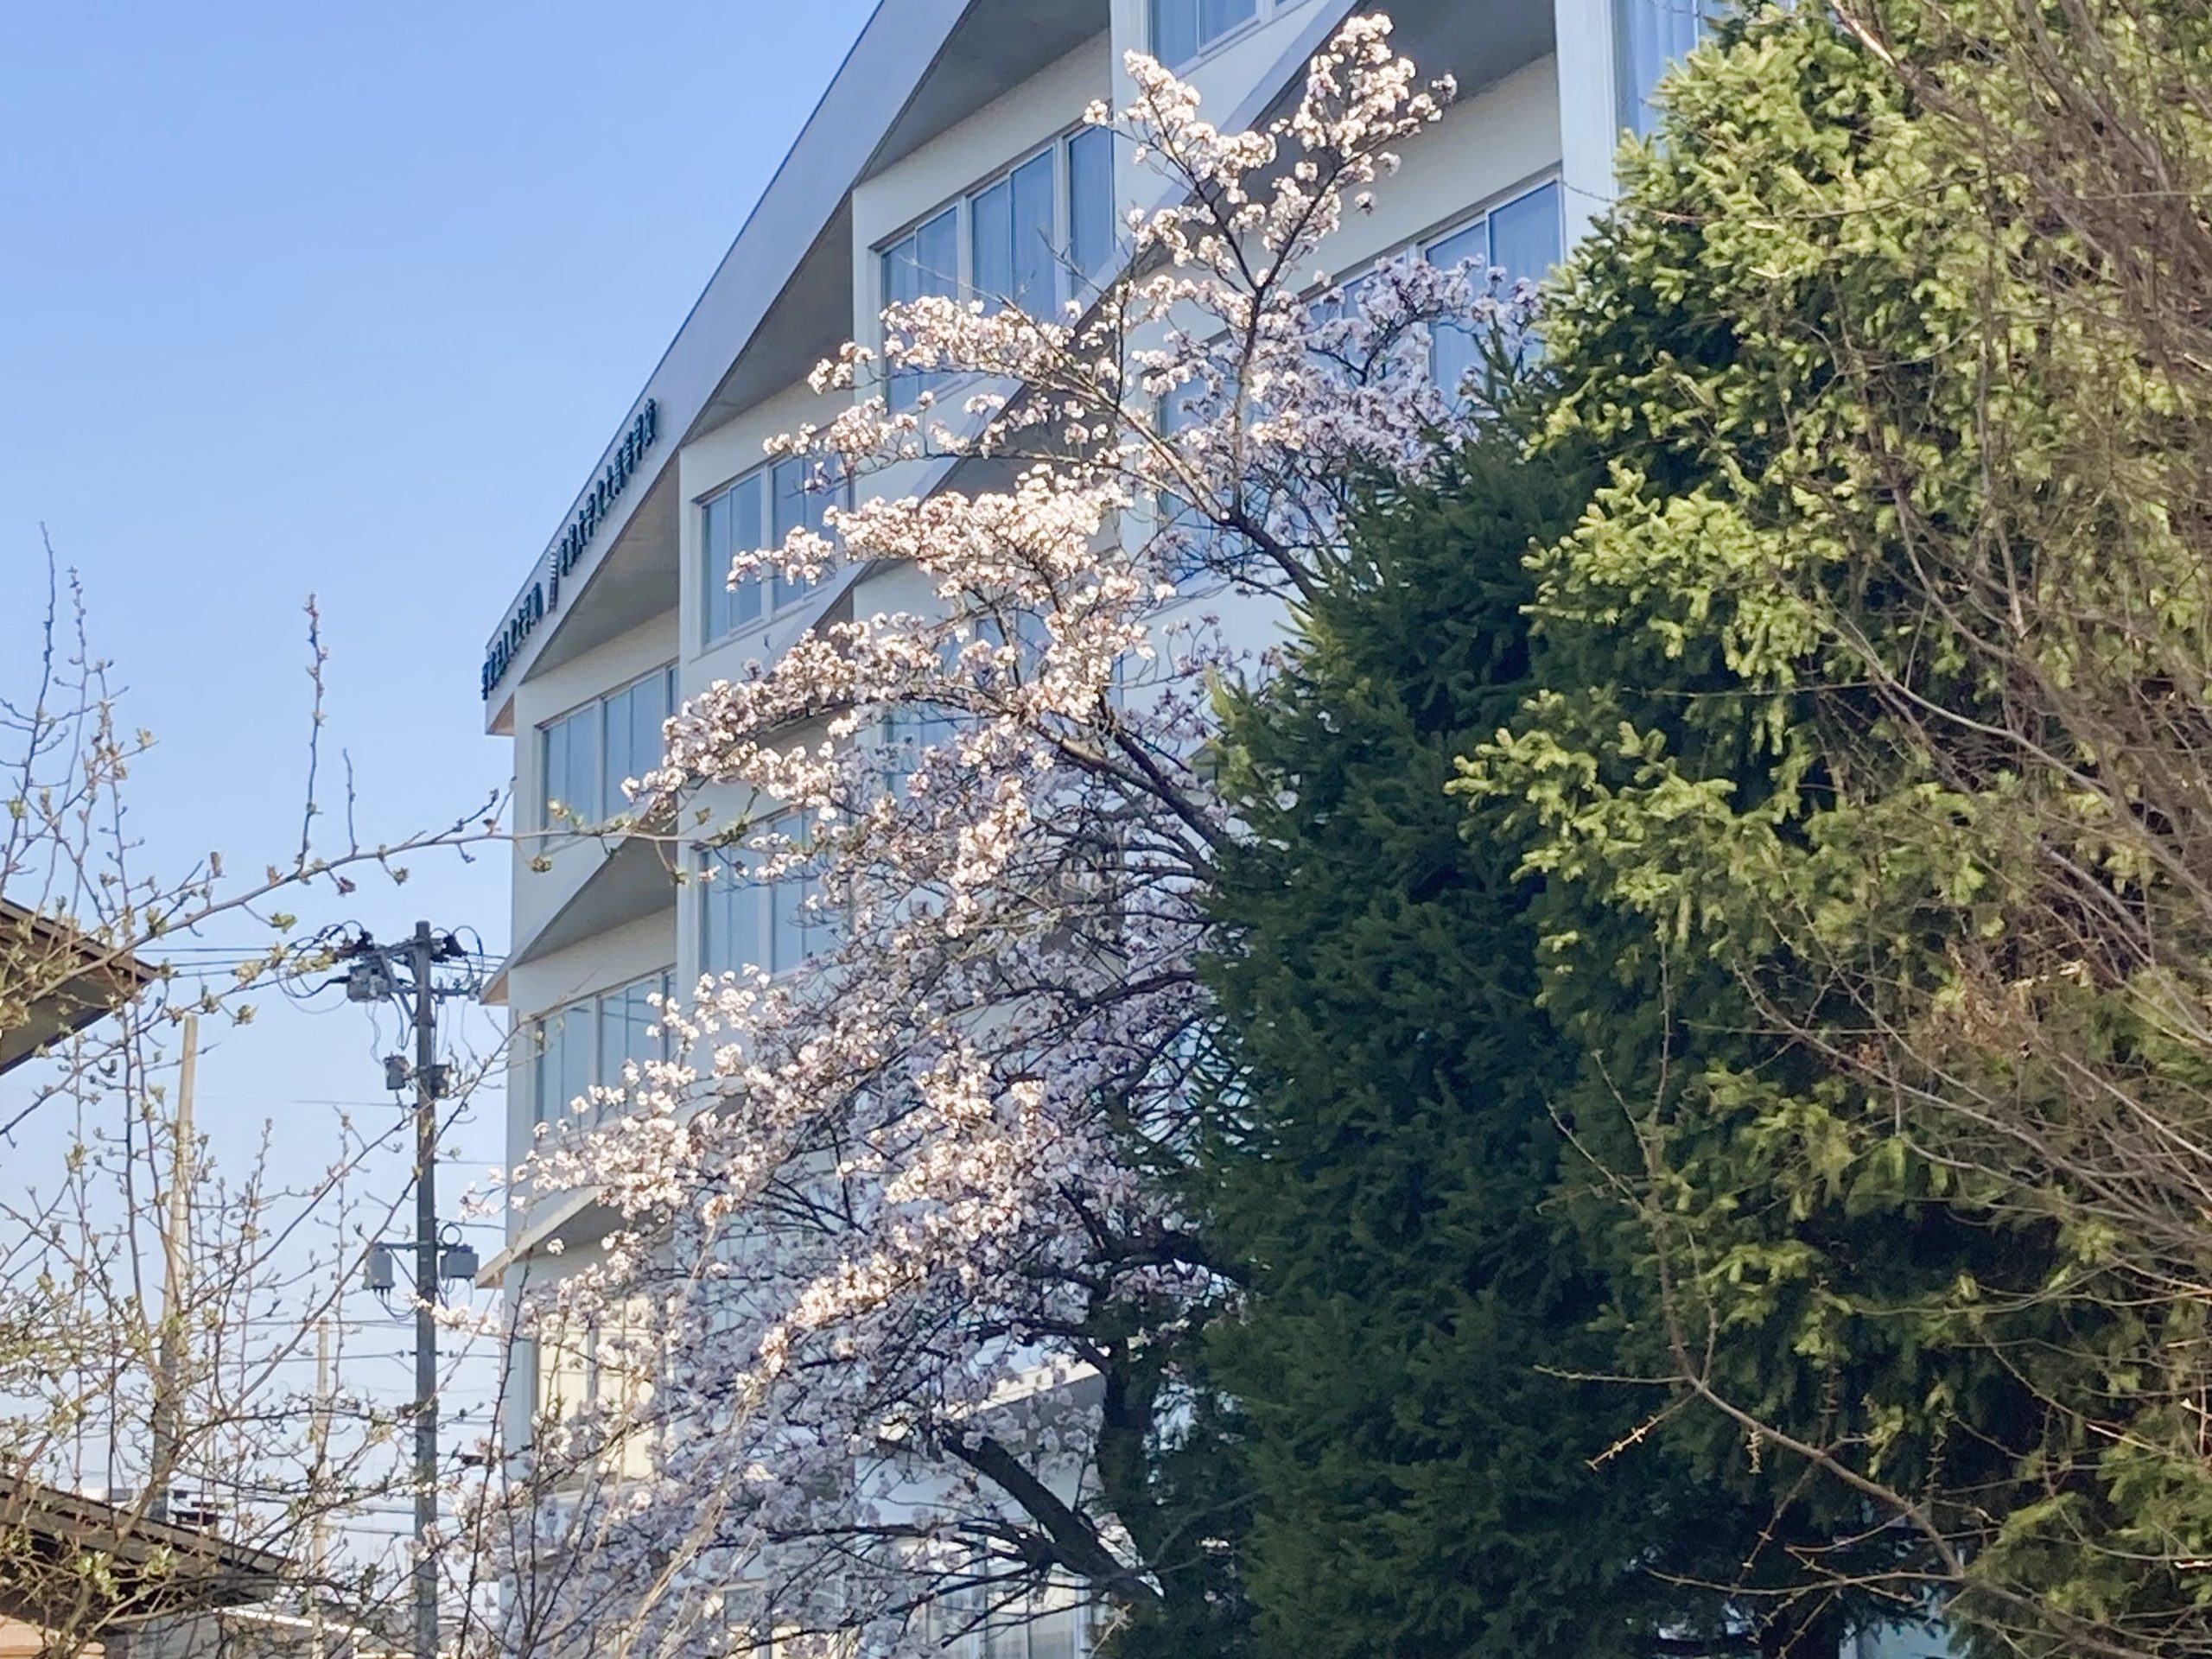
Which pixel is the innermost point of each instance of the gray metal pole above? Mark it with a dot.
(426, 1290)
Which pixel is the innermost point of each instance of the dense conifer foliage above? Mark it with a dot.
(1385, 1142)
(1862, 789)
(1809, 1035)
(1426, 1363)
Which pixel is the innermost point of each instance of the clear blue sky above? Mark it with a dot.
(345, 299)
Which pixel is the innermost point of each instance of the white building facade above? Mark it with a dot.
(952, 129)
(950, 138)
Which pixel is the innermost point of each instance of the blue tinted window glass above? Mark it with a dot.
(796, 505)
(732, 526)
(627, 1020)
(794, 925)
(1090, 202)
(937, 254)
(991, 253)
(1193, 538)
(925, 263)
(1035, 211)
(1524, 234)
(716, 615)
(900, 282)
(1453, 350)
(747, 533)
(1472, 244)
(571, 769)
(564, 1063)
(1218, 17)
(1651, 36)
(649, 711)
(730, 914)
(615, 761)
(1174, 31)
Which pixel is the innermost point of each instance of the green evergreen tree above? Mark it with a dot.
(1849, 805)
(1851, 785)
(1440, 1469)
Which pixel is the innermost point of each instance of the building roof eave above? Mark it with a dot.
(810, 187)
(55, 980)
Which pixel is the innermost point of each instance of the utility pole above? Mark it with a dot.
(169, 1361)
(372, 979)
(423, 951)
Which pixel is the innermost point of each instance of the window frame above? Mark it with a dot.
(604, 810)
(591, 1005)
(579, 1368)
(1263, 13)
(1425, 245)
(744, 856)
(1633, 111)
(1067, 280)
(1480, 214)
(1171, 513)
(774, 606)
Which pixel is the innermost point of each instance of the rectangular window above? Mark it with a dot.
(1182, 29)
(628, 1028)
(991, 240)
(923, 264)
(569, 753)
(631, 738)
(588, 1043)
(795, 920)
(563, 1062)
(1034, 237)
(733, 526)
(1014, 237)
(731, 905)
(748, 923)
(1199, 542)
(1651, 37)
(1052, 1635)
(564, 1372)
(758, 511)
(1048, 1626)
(1524, 237)
(1091, 203)
(1525, 232)
(797, 506)
(605, 1365)
(587, 756)
(908, 733)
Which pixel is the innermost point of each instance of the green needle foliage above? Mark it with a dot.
(1423, 1365)
(1867, 783)
(1747, 1180)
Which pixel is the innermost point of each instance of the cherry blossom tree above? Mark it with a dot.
(900, 1268)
